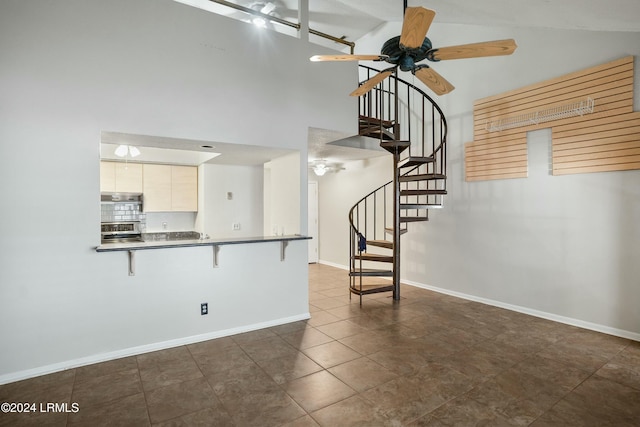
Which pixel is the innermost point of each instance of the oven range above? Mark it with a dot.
(120, 232)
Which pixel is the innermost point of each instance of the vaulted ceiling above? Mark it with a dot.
(352, 19)
(355, 18)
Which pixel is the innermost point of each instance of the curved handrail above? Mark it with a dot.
(411, 85)
(442, 140)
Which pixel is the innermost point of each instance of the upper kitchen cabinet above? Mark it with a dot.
(184, 188)
(170, 188)
(157, 188)
(117, 177)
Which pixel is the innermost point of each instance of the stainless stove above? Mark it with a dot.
(120, 232)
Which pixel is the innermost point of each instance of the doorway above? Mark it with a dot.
(312, 223)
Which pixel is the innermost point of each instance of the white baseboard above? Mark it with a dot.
(532, 312)
(333, 264)
(133, 351)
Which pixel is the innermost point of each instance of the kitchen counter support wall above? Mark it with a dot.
(72, 69)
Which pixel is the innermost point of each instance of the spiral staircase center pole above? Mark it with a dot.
(396, 227)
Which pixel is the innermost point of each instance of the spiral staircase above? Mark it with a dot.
(412, 128)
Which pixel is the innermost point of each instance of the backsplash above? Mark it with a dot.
(170, 221)
(115, 212)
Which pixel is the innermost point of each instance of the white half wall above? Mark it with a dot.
(73, 68)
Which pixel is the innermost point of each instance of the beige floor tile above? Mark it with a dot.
(362, 374)
(353, 411)
(106, 388)
(305, 421)
(341, 329)
(180, 399)
(269, 348)
(401, 401)
(464, 411)
(318, 390)
(170, 372)
(211, 346)
(289, 328)
(33, 419)
(222, 360)
(331, 354)
(127, 411)
(289, 367)
(624, 367)
(253, 398)
(367, 343)
(321, 317)
(596, 402)
(55, 387)
(203, 418)
(99, 369)
(247, 337)
(309, 337)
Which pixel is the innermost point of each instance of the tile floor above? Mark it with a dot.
(429, 360)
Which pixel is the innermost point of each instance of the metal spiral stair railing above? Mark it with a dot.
(412, 127)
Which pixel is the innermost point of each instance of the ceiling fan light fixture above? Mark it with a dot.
(259, 22)
(124, 150)
(134, 151)
(121, 151)
(320, 170)
(268, 8)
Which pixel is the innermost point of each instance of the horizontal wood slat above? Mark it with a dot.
(622, 62)
(606, 140)
(624, 141)
(488, 177)
(601, 168)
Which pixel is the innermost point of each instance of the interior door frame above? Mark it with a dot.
(313, 222)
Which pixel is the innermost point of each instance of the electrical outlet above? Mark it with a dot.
(204, 308)
(236, 226)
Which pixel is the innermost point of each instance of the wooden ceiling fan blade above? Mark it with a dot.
(318, 58)
(372, 82)
(433, 80)
(417, 21)
(473, 50)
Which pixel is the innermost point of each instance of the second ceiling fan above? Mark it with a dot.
(412, 46)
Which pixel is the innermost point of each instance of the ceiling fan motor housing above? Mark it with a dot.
(404, 57)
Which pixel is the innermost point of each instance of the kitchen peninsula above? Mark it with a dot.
(131, 247)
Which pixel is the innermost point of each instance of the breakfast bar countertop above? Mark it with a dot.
(164, 244)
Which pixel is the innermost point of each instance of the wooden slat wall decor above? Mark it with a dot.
(606, 140)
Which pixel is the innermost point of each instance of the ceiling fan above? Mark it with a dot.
(412, 46)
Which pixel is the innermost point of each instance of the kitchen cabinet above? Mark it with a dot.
(157, 188)
(108, 177)
(184, 188)
(170, 188)
(119, 177)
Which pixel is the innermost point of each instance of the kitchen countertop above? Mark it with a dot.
(163, 244)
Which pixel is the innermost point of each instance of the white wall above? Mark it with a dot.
(73, 68)
(563, 247)
(284, 186)
(245, 208)
(338, 192)
(175, 221)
